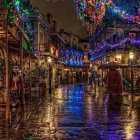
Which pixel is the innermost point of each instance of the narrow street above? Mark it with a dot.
(69, 70)
(72, 113)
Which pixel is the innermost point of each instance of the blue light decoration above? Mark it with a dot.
(27, 24)
(73, 57)
(97, 56)
(17, 5)
(101, 50)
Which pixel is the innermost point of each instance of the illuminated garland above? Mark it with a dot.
(19, 10)
(92, 12)
(122, 13)
(27, 22)
(73, 57)
(10, 5)
(106, 46)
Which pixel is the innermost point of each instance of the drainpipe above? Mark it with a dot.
(7, 74)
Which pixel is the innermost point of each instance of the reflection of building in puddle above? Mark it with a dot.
(60, 97)
(89, 106)
(130, 127)
(50, 119)
(100, 97)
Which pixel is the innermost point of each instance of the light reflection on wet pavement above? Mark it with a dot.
(72, 114)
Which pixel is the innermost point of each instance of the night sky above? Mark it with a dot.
(64, 12)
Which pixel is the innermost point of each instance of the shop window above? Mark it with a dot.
(132, 35)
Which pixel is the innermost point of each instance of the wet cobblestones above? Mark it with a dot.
(72, 114)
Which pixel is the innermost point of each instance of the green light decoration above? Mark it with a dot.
(20, 9)
(13, 7)
(29, 137)
(10, 5)
(26, 11)
(27, 46)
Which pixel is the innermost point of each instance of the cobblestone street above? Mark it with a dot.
(71, 113)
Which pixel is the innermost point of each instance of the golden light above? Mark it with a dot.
(131, 55)
(90, 65)
(49, 59)
(52, 50)
(119, 56)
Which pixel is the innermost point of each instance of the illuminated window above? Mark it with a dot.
(132, 35)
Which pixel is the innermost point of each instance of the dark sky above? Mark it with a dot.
(64, 12)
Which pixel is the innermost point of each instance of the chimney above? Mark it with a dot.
(49, 18)
(54, 26)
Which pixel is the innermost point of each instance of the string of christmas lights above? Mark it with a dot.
(73, 57)
(92, 12)
(20, 11)
(98, 51)
(123, 13)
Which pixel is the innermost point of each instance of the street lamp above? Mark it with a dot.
(131, 57)
(90, 66)
(49, 60)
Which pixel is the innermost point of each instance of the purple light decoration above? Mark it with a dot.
(111, 46)
(97, 52)
(99, 5)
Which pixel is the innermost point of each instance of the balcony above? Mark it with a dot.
(44, 48)
(48, 49)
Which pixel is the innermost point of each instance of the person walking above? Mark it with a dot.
(114, 88)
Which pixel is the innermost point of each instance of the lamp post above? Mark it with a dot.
(49, 60)
(90, 74)
(131, 57)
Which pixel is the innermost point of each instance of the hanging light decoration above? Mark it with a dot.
(122, 13)
(102, 49)
(90, 12)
